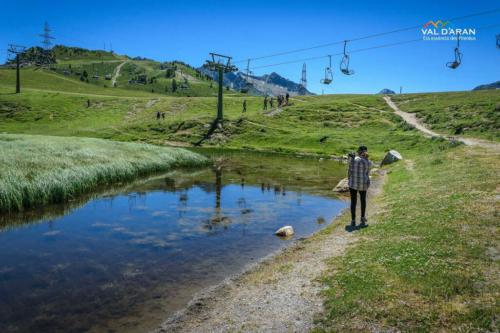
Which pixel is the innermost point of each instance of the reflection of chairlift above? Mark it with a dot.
(344, 63)
(458, 56)
(328, 73)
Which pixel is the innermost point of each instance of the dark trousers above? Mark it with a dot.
(354, 201)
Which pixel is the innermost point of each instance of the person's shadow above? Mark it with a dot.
(350, 228)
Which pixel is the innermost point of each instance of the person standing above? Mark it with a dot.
(244, 105)
(271, 102)
(359, 181)
(287, 97)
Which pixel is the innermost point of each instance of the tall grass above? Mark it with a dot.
(39, 170)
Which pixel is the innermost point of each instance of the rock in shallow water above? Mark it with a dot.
(342, 186)
(285, 231)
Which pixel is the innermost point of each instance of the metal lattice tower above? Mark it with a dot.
(47, 44)
(303, 79)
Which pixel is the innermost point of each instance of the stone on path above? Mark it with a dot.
(391, 157)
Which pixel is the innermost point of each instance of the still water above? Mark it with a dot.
(128, 257)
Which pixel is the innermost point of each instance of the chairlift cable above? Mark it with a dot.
(357, 50)
(337, 54)
(364, 37)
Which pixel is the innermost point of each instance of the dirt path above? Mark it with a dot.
(280, 294)
(117, 73)
(412, 119)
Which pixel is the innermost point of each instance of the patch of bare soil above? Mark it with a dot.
(274, 112)
(177, 143)
(279, 294)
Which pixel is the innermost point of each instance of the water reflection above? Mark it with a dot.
(126, 259)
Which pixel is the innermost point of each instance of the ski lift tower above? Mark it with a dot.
(303, 79)
(17, 51)
(221, 64)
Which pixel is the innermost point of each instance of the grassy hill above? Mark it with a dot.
(100, 68)
(321, 125)
(469, 113)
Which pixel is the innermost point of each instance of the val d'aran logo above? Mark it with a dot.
(443, 30)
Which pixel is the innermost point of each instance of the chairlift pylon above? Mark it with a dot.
(458, 56)
(248, 84)
(328, 72)
(344, 63)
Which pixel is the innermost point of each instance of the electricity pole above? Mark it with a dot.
(17, 50)
(221, 64)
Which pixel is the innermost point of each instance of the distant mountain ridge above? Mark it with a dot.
(269, 84)
(494, 85)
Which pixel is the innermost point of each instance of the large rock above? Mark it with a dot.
(342, 186)
(391, 157)
(285, 231)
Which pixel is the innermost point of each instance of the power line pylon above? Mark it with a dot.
(221, 64)
(17, 51)
(303, 79)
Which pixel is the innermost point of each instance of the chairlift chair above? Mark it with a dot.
(458, 56)
(344, 63)
(328, 73)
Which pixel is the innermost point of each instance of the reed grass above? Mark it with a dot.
(38, 170)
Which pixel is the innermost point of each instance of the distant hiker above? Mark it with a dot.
(359, 181)
(271, 102)
(158, 115)
(279, 100)
(265, 103)
(287, 97)
(163, 115)
(88, 103)
(244, 105)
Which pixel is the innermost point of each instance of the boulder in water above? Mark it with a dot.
(391, 157)
(285, 231)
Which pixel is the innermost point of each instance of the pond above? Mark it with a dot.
(125, 259)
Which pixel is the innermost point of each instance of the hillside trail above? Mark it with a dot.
(117, 73)
(281, 293)
(412, 119)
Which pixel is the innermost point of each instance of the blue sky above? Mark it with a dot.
(189, 30)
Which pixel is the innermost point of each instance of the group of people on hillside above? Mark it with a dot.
(281, 99)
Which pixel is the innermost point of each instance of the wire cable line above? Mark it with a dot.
(357, 50)
(459, 18)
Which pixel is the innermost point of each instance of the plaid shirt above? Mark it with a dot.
(359, 173)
